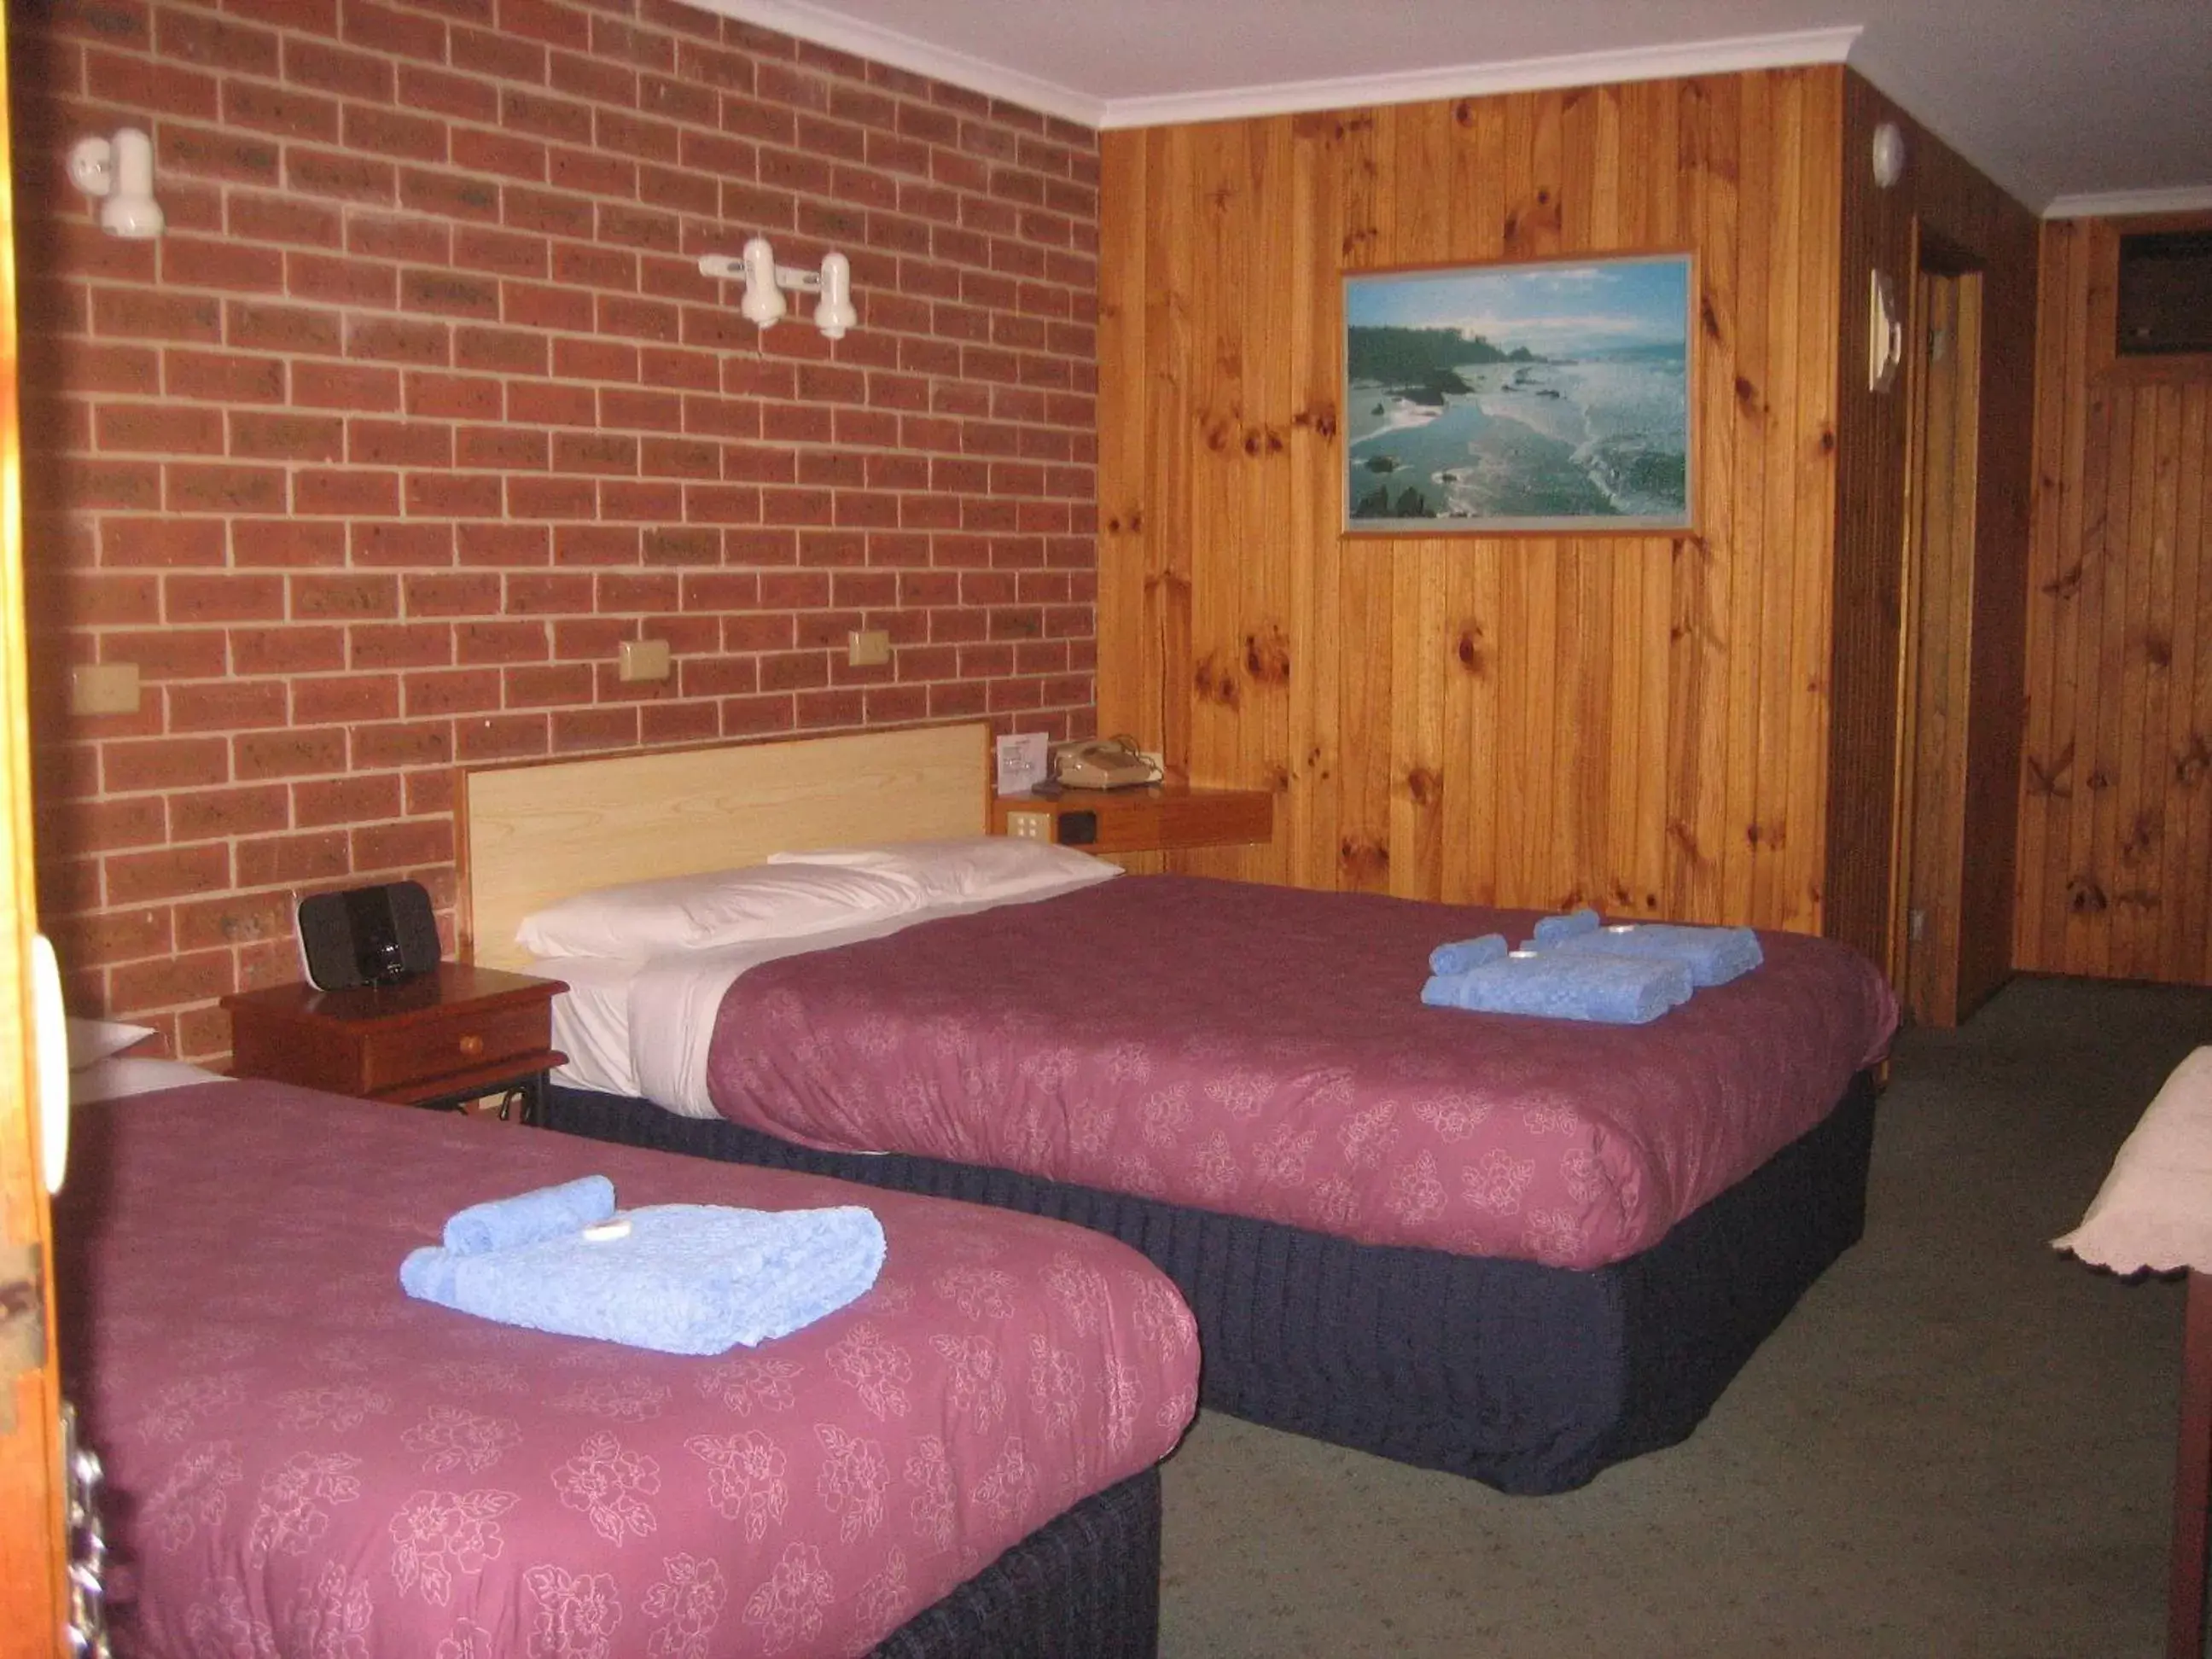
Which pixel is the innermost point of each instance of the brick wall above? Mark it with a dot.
(421, 406)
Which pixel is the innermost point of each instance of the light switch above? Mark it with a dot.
(107, 688)
(868, 647)
(643, 659)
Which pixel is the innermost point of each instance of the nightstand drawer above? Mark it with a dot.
(429, 1048)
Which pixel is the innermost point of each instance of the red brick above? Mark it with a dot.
(274, 861)
(345, 386)
(501, 446)
(382, 29)
(333, 68)
(424, 87)
(225, 706)
(342, 700)
(144, 986)
(345, 598)
(345, 801)
(290, 753)
(219, 814)
(453, 494)
(289, 113)
(152, 316)
(286, 543)
(394, 544)
(342, 490)
(260, 325)
(335, 172)
(209, 153)
(172, 873)
(341, 282)
(287, 437)
(190, 488)
(490, 737)
(291, 650)
(500, 543)
(388, 133)
(399, 443)
(175, 430)
(240, 919)
(160, 541)
(389, 846)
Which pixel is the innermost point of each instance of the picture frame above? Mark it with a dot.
(1547, 397)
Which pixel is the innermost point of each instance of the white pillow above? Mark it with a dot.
(970, 869)
(722, 907)
(94, 1040)
(111, 1080)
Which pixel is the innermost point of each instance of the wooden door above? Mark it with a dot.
(31, 1549)
(1944, 389)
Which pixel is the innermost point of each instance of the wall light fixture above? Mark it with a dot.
(765, 280)
(119, 171)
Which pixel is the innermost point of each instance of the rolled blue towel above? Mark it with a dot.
(1714, 955)
(1462, 955)
(1561, 985)
(687, 1278)
(548, 1212)
(1551, 929)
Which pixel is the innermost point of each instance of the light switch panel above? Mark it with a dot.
(107, 688)
(867, 647)
(642, 660)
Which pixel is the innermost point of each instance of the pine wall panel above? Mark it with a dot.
(2115, 873)
(1640, 721)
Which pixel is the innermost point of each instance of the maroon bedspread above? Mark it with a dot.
(1264, 1051)
(303, 1461)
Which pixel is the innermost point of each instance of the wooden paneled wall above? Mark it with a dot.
(1943, 201)
(2116, 783)
(1640, 721)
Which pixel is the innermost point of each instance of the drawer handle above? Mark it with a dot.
(471, 1047)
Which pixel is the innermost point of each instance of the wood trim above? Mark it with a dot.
(2105, 362)
(32, 1558)
(535, 834)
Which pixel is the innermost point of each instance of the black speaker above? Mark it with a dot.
(368, 936)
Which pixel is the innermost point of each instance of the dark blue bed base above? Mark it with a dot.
(1531, 1379)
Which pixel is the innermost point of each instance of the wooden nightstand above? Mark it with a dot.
(1156, 818)
(440, 1039)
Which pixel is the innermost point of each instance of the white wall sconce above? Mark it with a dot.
(119, 172)
(765, 280)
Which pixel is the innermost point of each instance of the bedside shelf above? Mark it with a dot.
(1156, 817)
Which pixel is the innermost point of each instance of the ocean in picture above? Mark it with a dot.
(1508, 396)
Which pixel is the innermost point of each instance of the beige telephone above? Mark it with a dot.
(1102, 764)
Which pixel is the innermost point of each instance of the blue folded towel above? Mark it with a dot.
(1551, 929)
(1714, 955)
(1610, 990)
(687, 1278)
(1461, 955)
(548, 1212)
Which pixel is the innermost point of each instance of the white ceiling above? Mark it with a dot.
(2072, 105)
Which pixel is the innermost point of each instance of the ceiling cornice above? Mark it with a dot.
(1736, 53)
(828, 29)
(1580, 69)
(2120, 203)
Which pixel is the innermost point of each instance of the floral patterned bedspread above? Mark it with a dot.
(1264, 1051)
(302, 1460)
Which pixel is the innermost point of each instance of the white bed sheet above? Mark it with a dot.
(642, 1028)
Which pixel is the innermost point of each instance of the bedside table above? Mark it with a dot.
(1154, 817)
(440, 1039)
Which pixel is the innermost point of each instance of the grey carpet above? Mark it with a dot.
(1960, 1443)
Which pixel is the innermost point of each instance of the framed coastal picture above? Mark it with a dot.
(1550, 398)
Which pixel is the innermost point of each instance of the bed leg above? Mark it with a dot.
(2192, 1477)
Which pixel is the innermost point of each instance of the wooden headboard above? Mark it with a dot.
(537, 832)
